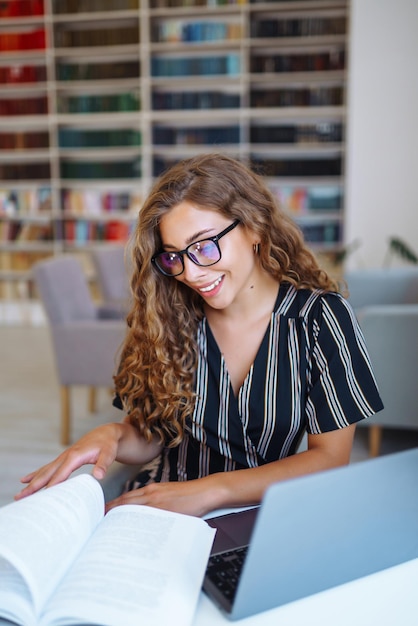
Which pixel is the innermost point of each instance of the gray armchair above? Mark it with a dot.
(112, 274)
(85, 338)
(386, 304)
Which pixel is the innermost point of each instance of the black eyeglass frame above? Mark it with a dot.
(215, 239)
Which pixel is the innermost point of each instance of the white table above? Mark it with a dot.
(387, 598)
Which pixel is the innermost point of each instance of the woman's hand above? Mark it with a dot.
(193, 497)
(99, 448)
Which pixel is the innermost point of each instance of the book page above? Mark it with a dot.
(142, 566)
(15, 599)
(41, 535)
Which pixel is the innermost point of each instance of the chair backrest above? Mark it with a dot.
(394, 285)
(112, 273)
(64, 290)
(391, 335)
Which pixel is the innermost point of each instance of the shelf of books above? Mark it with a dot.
(98, 98)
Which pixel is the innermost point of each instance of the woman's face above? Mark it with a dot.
(224, 283)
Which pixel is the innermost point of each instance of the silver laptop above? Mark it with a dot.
(316, 532)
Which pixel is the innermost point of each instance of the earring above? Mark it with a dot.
(256, 248)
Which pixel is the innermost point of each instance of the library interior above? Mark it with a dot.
(98, 98)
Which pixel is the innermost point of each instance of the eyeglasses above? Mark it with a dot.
(204, 252)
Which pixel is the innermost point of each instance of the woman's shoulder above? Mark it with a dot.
(293, 302)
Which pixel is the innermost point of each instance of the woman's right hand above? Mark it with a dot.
(98, 447)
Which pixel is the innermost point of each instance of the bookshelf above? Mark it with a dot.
(99, 97)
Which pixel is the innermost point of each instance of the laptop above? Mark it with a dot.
(316, 532)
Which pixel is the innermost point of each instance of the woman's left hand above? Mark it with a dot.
(192, 497)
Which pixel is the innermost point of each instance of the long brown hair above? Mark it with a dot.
(156, 375)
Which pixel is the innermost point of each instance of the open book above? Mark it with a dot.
(62, 561)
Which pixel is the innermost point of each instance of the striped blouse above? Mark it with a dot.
(312, 373)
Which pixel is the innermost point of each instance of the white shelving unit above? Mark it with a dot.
(119, 94)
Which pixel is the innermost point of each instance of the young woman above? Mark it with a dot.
(237, 344)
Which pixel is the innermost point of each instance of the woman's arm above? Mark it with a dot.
(100, 447)
(244, 487)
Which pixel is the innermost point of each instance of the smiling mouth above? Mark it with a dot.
(212, 286)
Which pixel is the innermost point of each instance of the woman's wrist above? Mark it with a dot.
(132, 447)
(232, 489)
(218, 494)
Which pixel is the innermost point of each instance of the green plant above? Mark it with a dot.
(399, 248)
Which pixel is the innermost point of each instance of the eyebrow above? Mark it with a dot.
(195, 237)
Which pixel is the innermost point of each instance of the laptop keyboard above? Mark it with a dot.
(224, 570)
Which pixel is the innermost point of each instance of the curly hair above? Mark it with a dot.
(156, 376)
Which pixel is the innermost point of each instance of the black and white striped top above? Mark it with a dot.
(312, 372)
